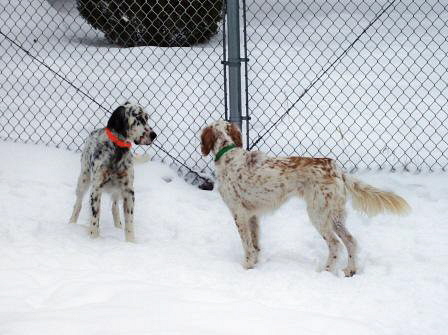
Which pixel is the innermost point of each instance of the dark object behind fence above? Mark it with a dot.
(166, 23)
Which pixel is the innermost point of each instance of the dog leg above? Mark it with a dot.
(116, 212)
(350, 244)
(83, 185)
(333, 247)
(95, 205)
(255, 232)
(321, 223)
(320, 202)
(128, 208)
(250, 252)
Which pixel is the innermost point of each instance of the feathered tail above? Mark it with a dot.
(373, 201)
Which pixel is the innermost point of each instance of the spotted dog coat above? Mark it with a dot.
(251, 183)
(108, 165)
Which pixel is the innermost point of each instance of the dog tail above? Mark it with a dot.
(372, 201)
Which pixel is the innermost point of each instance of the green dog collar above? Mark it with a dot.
(223, 151)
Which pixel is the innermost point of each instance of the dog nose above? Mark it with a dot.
(152, 135)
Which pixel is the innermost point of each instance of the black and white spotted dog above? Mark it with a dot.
(107, 164)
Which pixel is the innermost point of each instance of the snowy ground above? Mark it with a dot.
(183, 276)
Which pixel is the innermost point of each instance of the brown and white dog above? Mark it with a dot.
(251, 183)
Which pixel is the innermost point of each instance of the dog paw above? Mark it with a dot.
(249, 263)
(130, 237)
(349, 272)
(94, 233)
(248, 266)
(118, 225)
(329, 269)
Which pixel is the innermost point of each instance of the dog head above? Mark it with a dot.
(131, 122)
(219, 134)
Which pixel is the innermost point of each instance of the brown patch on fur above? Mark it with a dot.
(247, 205)
(235, 134)
(253, 158)
(327, 198)
(122, 174)
(207, 140)
(317, 166)
(105, 177)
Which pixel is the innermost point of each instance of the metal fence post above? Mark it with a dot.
(234, 61)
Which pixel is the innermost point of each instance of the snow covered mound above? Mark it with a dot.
(183, 276)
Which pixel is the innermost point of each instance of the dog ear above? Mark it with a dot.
(207, 140)
(118, 122)
(235, 134)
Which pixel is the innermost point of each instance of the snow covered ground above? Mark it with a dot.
(183, 275)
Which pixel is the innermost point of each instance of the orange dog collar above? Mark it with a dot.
(117, 141)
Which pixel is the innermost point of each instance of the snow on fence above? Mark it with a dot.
(364, 82)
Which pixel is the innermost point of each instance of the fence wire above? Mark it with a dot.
(61, 77)
(361, 81)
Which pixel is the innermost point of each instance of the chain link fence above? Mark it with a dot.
(361, 81)
(61, 78)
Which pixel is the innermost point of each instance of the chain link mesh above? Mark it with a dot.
(383, 104)
(378, 102)
(61, 78)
